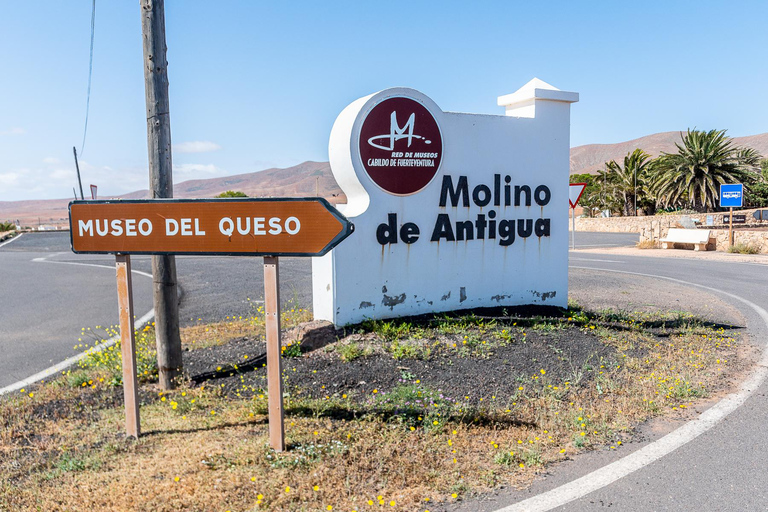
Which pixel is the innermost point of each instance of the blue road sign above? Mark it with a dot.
(731, 195)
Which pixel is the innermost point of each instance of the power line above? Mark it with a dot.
(90, 74)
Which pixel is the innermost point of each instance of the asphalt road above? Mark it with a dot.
(591, 240)
(723, 468)
(720, 470)
(42, 280)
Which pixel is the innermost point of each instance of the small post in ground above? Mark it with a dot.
(730, 229)
(274, 362)
(128, 345)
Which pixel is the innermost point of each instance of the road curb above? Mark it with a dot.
(9, 237)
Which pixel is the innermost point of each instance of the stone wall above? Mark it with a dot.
(754, 233)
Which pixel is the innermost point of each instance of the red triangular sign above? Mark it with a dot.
(574, 193)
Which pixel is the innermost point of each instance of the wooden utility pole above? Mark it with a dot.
(160, 186)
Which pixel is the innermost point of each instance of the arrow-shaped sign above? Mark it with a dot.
(574, 193)
(234, 227)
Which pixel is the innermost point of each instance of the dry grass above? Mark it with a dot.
(742, 248)
(252, 326)
(61, 448)
(648, 244)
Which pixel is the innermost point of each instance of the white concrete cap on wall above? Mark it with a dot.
(451, 210)
(521, 102)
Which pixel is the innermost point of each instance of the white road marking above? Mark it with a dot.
(11, 240)
(612, 472)
(589, 259)
(45, 259)
(55, 369)
(601, 245)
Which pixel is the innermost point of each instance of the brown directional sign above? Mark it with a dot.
(235, 227)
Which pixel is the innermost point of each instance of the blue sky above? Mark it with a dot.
(259, 84)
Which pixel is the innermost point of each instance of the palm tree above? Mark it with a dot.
(703, 162)
(605, 195)
(626, 180)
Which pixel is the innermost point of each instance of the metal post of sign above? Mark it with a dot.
(730, 229)
(573, 228)
(79, 182)
(274, 362)
(128, 345)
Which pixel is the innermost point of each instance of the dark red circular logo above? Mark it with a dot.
(400, 146)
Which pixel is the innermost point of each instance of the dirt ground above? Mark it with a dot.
(490, 371)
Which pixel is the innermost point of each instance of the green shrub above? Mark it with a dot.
(231, 193)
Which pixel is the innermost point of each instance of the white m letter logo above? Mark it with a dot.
(396, 133)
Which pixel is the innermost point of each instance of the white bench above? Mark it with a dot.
(699, 238)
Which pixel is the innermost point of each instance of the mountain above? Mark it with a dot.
(297, 181)
(592, 157)
(303, 180)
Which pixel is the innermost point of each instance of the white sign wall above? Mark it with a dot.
(451, 210)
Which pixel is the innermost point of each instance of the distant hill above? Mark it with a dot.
(301, 180)
(592, 157)
(297, 181)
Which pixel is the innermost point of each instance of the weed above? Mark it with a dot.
(459, 487)
(408, 350)
(390, 331)
(447, 324)
(108, 360)
(304, 455)
(742, 248)
(351, 351)
(415, 405)
(504, 458)
(544, 325)
(71, 463)
(79, 378)
(578, 317)
(291, 349)
(531, 456)
(504, 336)
(683, 390)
